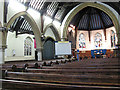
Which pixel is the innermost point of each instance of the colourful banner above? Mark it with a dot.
(34, 43)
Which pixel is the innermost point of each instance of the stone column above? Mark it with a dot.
(3, 46)
(2, 55)
(39, 50)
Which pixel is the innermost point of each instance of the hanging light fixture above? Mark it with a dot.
(42, 37)
(71, 27)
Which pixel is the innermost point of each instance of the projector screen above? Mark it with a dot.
(62, 48)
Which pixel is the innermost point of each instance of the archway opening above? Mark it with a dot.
(48, 49)
(20, 40)
(51, 31)
(89, 21)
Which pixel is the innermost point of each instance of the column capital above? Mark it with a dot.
(5, 29)
(39, 49)
(3, 46)
(63, 38)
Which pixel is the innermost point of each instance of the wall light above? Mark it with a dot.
(71, 27)
(42, 37)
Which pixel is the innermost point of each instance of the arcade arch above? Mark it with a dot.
(98, 5)
(35, 29)
(54, 30)
(31, 21)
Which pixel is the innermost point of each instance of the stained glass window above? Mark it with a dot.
(112, 39)
(98, 40)
(27, 47)
(82, 43)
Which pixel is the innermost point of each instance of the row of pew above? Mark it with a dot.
(69, 74)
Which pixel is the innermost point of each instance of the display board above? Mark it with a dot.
(62, 48)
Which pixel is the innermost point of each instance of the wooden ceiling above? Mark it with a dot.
(58, 11)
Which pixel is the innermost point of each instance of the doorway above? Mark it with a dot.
(48, 49)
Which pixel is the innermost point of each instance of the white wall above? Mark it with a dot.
(17, 44)
(106, 44)
(1, 11)
(57, 24)
(13, 8)
(49, 33)
(48, 20)
(36, 16)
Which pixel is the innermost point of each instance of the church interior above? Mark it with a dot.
(59, 45)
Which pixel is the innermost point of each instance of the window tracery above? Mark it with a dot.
(27, 47)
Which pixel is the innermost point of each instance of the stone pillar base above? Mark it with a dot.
(2, 58)
(39, 54)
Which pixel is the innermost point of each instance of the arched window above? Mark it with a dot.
(27, 47)
(112, 38)
(98, 40)
(82, 43)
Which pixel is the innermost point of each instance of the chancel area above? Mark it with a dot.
(92, 33)
(55, 44)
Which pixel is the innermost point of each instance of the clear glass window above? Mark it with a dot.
(27, 47)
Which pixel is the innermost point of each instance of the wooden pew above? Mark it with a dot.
(101, 72)
(45, 85)
(95, 78)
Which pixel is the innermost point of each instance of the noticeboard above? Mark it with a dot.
(63, 48)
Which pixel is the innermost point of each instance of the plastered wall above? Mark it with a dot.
(48, 20)
(1, 13)
(17, 44)
(49, 33)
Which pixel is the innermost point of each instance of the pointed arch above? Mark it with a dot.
(103, 7)
(54, 30)
(33, 24)
(29, 38)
